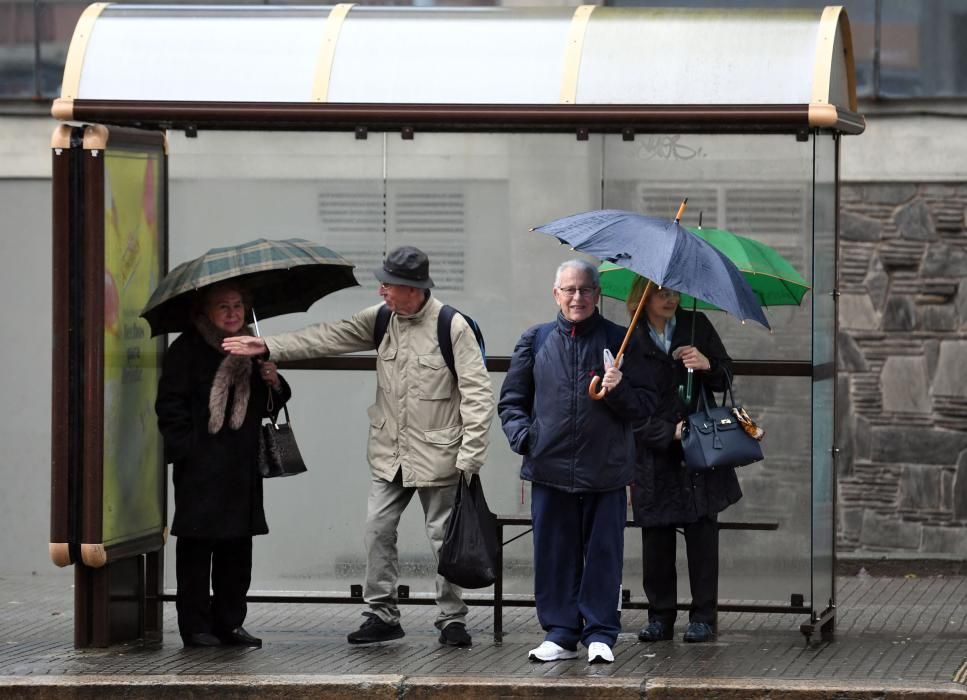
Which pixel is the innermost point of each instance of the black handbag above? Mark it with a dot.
(715, 437)
(468, 557)
(278, 452)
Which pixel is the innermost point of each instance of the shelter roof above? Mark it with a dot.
(348, 66)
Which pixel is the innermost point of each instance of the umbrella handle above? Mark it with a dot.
(593, 387)
(681, 210)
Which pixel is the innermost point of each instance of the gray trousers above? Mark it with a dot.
(387, 501)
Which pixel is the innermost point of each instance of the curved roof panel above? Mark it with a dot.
(318, 66)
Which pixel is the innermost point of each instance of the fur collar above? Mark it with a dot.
(234, 371)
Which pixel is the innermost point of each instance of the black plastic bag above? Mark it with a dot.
(468, 556)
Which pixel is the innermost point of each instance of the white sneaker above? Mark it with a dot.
(600, 653)
(549, 651)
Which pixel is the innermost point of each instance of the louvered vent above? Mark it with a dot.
(432, 216)
(362, 226)
(353, 223)
(774, 215)
(664, 202)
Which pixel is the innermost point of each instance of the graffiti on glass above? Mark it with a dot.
(667, 147)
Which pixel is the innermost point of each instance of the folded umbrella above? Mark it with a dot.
(283, 276)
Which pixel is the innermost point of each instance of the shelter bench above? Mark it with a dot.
(504, 521)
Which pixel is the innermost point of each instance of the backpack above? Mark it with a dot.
(444, 321)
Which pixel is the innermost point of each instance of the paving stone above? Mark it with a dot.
(896, 634)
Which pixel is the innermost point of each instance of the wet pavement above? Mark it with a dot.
(895, 635)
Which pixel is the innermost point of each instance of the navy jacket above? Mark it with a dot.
(568, 440)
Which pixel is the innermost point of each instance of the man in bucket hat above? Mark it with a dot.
(426, 428)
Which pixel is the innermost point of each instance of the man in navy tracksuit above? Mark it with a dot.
(579, 456)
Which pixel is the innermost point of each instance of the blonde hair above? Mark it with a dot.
(637, 289)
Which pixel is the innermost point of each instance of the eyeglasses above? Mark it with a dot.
(384, 287)
(668, 294)
(574, 291)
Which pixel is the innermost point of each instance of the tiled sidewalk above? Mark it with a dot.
(908, 634)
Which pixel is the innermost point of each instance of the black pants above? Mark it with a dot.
(661, 579)
(228, 565)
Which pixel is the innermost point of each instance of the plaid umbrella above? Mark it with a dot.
(283, 276)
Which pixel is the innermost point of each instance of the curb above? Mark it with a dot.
(393, 687)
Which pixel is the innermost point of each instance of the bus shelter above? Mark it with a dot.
(456, 130)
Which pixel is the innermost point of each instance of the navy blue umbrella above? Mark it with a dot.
(663, 251)
(666, 253)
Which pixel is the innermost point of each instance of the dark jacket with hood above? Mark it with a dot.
(218, 489)
(568, 440)
(665, 492)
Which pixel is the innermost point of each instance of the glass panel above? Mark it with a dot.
(823, 344)
(227, 188)
(922, 53)
(17, 45)
(862, 20)
(758, 187)
(55, 26)
(470, 200)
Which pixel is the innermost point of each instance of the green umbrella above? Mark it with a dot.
(774, 281)
(283, 277)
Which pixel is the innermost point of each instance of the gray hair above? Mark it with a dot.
(589, 270)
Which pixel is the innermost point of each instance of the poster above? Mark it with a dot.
(133, 469)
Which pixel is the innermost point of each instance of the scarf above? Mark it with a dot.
(235, 371)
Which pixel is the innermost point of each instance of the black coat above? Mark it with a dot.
(665, 492)
(218, 490)
(568, 440)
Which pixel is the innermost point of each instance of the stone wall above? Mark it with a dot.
(902, 381)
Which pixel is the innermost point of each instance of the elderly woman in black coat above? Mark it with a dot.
(666, 495)
(210, 407)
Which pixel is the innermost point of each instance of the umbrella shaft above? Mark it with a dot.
(634, 322)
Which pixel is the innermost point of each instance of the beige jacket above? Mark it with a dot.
(424, 420)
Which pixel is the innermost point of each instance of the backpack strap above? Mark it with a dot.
(443, 322)
(382, 323)
(543, 332)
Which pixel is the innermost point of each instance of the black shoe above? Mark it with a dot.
(698, 632)
(656, 631)
(240, 638)
(375, 630)
(455, 634)
(201, 639)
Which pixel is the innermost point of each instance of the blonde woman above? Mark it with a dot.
(667, 496)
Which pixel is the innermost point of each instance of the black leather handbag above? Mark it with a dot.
(278, 452)
(714, 437)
